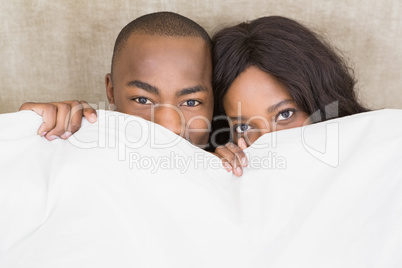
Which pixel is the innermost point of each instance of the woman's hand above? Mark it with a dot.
(61, 119)
(233, 157)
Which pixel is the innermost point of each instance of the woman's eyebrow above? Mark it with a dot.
(191, 90)
(144, 86)
(276, 106)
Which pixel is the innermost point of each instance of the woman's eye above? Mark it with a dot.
(191, 103)
(285, 115)
(142, 100)
(242, 128)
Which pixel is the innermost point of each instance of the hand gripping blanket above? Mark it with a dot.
(124, 192)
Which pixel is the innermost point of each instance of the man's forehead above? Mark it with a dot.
(143, 51)
(141, 47)
(144, 43)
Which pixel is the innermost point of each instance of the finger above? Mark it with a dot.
(75, 119)
(89, 112)
(228, 157)
(242, 144)
(48, 112)
(26, 106)
(235, 160)
(49, 116)
(238, 152)
(62, 120)
(225, 163)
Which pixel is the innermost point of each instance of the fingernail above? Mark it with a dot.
(66, 135)
(244, 162)
(228, 167)
(53, 137)
(239, 171)
(43, 134)
(93, 118)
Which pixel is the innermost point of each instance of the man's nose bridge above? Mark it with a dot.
(170, 117)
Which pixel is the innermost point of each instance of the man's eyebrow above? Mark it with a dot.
(190, 90)
(275, 107)
(144, 86)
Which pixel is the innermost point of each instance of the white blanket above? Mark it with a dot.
(124, 192)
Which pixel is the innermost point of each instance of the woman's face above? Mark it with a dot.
(256, 103)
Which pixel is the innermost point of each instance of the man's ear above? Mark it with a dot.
(109, 88)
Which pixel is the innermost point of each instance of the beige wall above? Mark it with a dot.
(53, 50)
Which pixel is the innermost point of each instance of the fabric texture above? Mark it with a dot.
(124, 192)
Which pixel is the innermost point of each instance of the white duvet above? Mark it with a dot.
(124, 192)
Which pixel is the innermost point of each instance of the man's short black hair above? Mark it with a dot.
(161, 24)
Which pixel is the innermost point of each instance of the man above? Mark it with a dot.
(161, 71)
(161, 62)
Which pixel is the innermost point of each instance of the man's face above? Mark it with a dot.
(166, 80)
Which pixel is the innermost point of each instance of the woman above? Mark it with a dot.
(272, 74)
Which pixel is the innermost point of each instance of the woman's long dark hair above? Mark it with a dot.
(314, 75)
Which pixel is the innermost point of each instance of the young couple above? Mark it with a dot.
(266, 75)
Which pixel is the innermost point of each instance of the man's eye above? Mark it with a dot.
(285, 115)
(191, 103)
(142, 100)
(242, 128)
